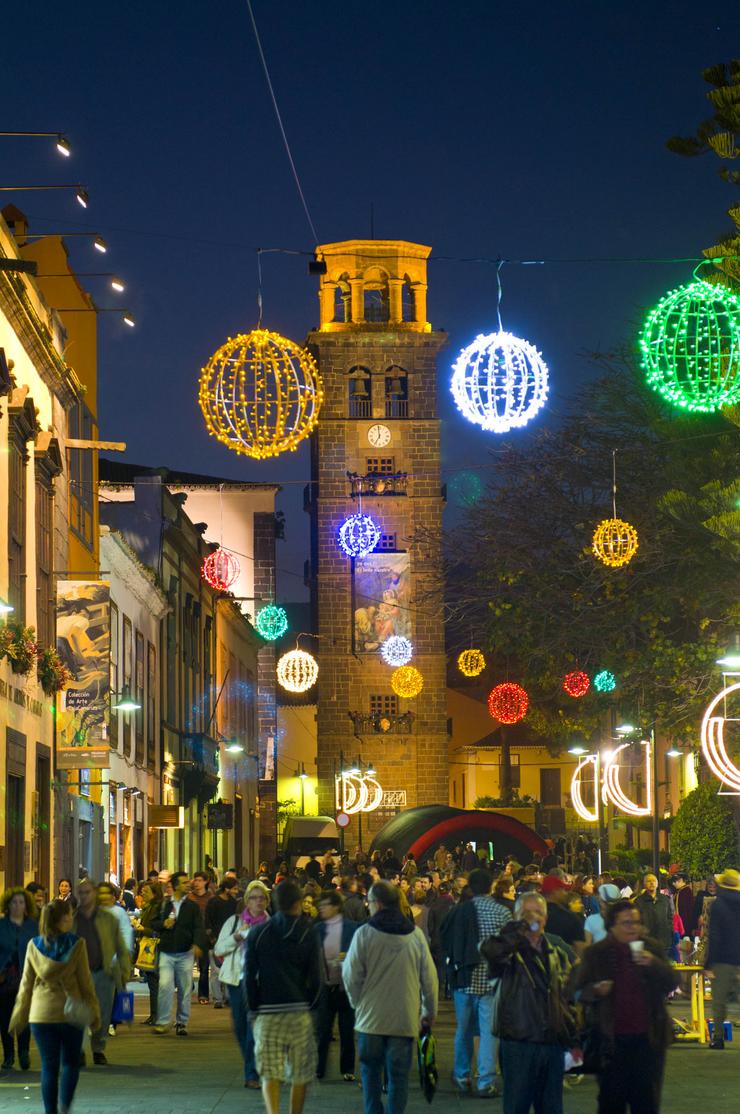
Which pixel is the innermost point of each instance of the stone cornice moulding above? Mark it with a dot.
(125, 566)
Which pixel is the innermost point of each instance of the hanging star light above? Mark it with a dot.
(615, 542)
(407, 681)
(605, 681)
(297, 671)
(220, 569)
(260, 394)
(396, 650)
(508, 702)
(690, 345)
(499, 382)
(271, 622)
(471, 663)
(358, 535)
(576, 683)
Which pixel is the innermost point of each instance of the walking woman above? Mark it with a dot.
(17, 927)
(152, 896)
(56, 966)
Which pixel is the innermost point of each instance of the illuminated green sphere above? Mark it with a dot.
(271, 622)
(605, 681)
(690, 346)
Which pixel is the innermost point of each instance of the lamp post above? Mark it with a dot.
(81, 193)
(302, 775)
(61, 142)
(98, 242)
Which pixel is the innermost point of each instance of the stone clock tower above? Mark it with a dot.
(377, 449)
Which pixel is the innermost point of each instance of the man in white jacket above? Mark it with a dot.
(391, 981)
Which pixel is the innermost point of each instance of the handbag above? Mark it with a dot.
(123, 1007)
(147, 955)
(77, 1012)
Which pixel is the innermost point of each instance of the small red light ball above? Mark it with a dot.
(576, 683)
(508, 702)
(220, 569)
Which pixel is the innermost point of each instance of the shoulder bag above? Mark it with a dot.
(76, 1012)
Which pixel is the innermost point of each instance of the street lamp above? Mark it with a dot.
(61, 141)
(126, 316)
(302, 775)
(81, 193)
(577, 750)
(234, 747)
(116, 283)
(98, 242)
(6, 608)
(625, 729)
(126, 702)
(674, 752)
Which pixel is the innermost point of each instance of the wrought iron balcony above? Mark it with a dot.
(378, 483)
(367, 724)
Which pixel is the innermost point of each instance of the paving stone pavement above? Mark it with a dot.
(202, 1073)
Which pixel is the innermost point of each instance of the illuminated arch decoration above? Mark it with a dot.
(358, 793)
(690, 345)
(271, 622)
(297, 671)
(220, 569)
(591, 816)
(407, 681)
(713, 740)
(612, 790)
(508, 702)
(615, 542)
(358, 535)
(396, 650)
(499, 382)
(576, 684)
(260, 394)
(605, 681)
(471, 663)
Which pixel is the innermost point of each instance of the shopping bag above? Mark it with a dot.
(123, 1008)
(147, 957)
(428, 1073)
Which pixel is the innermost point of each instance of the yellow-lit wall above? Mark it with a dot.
(296, 745)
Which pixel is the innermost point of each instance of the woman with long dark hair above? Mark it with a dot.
(152, 896)
(18, 925)
(56, 972)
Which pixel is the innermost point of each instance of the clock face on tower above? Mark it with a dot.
(379, 436)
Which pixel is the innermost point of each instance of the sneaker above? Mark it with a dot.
(253, 1084)
(147, 1020)
(6, 1065)
(99, 1058)
(348, 1077)
(718, 1043)
(218, 1005)
(463, 1085)
(160, 1028)
(491, 1092)
(181, 1031)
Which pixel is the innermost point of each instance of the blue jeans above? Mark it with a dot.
(474, 1015)
(243, 1031)
(105, 992)
(533, 1076)
(175, 970)
(392, 1054)
(57, 1042)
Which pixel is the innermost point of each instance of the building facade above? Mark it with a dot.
(376, 450)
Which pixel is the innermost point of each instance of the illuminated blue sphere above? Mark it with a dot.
(499, 382)
(358, 535)
(605, 681)
(396, 650)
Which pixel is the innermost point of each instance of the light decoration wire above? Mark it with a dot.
(577, 683)
(471, 663)
(260, 394)
(271, 622)
(396, 650)
(220, 569)
(508, 702)
(591, 816)
(615, 541)
(612, 789)
(690, 345)
(713, 740)
(407, 681)
(358, 535)
(499, 381)
(357, 793)
(605, 681)
(297, 671)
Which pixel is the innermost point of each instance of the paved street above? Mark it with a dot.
(170, 1075)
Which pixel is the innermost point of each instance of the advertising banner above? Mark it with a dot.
(83, 643)
(382, 589)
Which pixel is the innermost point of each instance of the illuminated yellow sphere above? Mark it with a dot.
(297, 671)
(260, 394)
(471, 663)
(615, 542)
(407, 681)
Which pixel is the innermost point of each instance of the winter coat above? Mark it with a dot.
(283, 965)
(459, 938)
(116, 956)
(231, 951)
(46, 982)
(724, 929)
(14, 939)
(657, 918)
(531, 997)
(187, 931)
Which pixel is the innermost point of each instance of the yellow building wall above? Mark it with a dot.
(296, 746)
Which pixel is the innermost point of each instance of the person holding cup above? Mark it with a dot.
(624, 981)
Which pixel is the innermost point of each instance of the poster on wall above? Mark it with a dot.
(382, 596)
(83, 643)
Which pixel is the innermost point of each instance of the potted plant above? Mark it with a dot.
(18, 645)
(52, 672)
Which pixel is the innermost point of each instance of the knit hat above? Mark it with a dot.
(609, 892)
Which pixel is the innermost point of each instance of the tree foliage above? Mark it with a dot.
(704, 839)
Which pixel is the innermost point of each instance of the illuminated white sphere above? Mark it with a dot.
(358, 535)
(297, 671)
(396, 650)
(499, 382)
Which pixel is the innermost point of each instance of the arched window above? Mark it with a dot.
(375, 295)
(342, 301)
(408, 308)
(359, 388)
(396, 392)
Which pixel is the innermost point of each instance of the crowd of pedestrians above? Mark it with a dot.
(546, 970)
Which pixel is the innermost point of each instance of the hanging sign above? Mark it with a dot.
(357, 793)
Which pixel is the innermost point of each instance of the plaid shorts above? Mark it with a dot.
(285, 1046)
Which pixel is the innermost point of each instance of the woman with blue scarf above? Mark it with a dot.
(56, 971)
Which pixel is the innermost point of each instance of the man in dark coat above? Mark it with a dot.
(656, 913)
(722, 962)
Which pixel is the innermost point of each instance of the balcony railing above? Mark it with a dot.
(360, 408)
(367, 724)
(396, 408)
(378, 483)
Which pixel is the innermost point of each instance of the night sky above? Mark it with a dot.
(529, 130)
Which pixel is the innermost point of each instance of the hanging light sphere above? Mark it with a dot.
(605, 681)
(297, 671)
(499, 382)
(358, 535)
(260, 394)
(508, 702)
(576, 683)
(396, 650)
(271, 622)
(407, 681)
(615, 542)
(471, 663)
(690, 345)
(220, 569)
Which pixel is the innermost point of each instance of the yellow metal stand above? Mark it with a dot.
(697, 1031)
